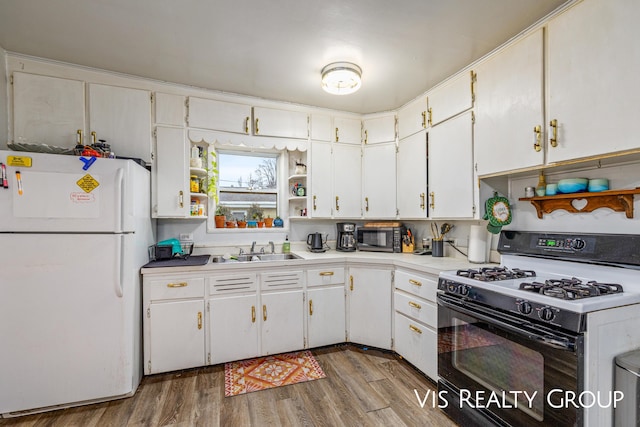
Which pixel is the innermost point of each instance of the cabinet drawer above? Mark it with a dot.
(325, 276)
(420, 285)
(231, 283)
(281, 280)
(418, 344)
(176, 288)
(418, 308)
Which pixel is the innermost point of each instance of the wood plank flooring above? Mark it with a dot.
(362, 388)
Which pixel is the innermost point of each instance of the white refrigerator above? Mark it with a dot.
(72, 242)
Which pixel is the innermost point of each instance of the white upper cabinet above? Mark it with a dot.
(321, 128)
(593, 90)
(219, 115)
(321, 180)
(411, 176)
(169, 109)
(347, 130)
(508, 133)
(122, 117)
(379, 129)
(280, 123)
(412, 118)
(379, 180)
(347, 180)
(451, 186)
(47, 110)
(451, 98)
(170, 191)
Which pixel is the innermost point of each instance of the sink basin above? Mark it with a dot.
(254, 258)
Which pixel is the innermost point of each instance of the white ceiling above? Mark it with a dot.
(272, 49)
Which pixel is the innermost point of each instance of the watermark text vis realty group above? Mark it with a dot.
(556, 398)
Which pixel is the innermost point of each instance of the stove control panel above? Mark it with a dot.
(575, 244)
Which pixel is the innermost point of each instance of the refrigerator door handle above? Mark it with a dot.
(119, 287)
(119, 198)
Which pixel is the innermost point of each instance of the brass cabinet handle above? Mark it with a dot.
(181, 199)
(554, 130)
(430, 110)
(424, 119)
(253, 314)
(351, 283)
(415, 305)
(473, 81)
(433, 200)
(310, 307)
(366, 204)
(79, 138)
(366, 137)
(264, 313)
(326, 273)
(257, 128)
(337, 139)
(414, 329)
(246, 124)
(94, 137)
(337, 204)
(314, 203)
(199, 320)
(177, 285)
(538, 132)
(422, 201)
(415, 282)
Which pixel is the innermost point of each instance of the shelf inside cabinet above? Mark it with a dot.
(617, 200)
(303, 176)
(198, 172)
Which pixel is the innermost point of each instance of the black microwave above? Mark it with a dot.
(380, 239)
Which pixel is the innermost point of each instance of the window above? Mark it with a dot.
(248, 184)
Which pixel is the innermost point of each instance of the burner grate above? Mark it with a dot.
(571, 289)
(492, 274)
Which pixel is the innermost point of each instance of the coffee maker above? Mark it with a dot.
(346, 237)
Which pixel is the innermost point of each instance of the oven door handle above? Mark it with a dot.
(554, 341)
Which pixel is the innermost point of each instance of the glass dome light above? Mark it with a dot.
(341, 78)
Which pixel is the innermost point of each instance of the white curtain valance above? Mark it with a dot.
(239, 140)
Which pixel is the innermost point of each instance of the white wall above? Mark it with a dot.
(4, 100)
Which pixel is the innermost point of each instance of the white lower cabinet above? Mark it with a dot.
(282, 321)
(369, 293)
(233, 328)
(173, 319)
(416, 320)
(326, 314)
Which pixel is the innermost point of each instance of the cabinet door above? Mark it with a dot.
(321, 180)
(379, 129)
(593, 91)
(233, 328)
(412, 176)
(321, 128)
(280, 123)
(170, 174)
(370, 307)
(379, 180)
(219, 115)
(282, 322)
(347, 130)
(412, 118)
(122, 117)
(47, 110)
(451, 98)
(326, 316)
(347, 180)
(509, 105)
(451, 168)
(417, 343)
(169, 109)
(176, 332)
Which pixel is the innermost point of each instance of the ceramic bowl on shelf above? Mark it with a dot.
(598, 184)
(572, 185)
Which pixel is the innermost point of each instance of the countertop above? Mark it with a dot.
(422, 263)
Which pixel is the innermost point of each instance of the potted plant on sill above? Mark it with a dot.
(268, 222)
(222, 212)
(256, 213)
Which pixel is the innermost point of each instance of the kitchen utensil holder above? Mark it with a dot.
(437, 248)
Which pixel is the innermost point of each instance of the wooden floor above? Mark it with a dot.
(362, 388)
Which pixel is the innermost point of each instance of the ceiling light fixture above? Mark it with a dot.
(341, 78)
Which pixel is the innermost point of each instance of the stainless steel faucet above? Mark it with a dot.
(253, 247)
(272, 246)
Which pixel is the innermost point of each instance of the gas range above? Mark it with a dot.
(551, 279)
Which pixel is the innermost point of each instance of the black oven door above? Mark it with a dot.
(496, 369)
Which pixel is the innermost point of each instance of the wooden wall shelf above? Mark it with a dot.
(617, 200)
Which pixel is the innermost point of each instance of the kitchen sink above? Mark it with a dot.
(254, 258)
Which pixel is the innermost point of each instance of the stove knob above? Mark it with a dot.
(525, 307)
(546, 313)
(463, 290)
(453, 287)
(578, 244)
